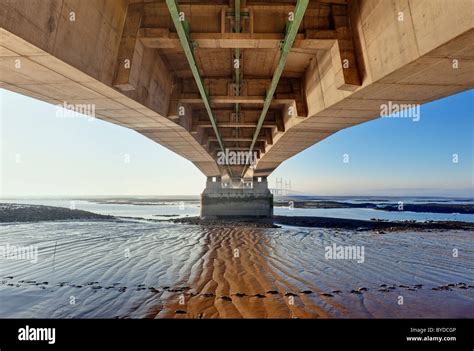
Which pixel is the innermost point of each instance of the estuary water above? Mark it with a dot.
(165, 207)
(131, 268)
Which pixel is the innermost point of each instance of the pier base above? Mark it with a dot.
(224, 199)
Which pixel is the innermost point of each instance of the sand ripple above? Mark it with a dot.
(162, 270)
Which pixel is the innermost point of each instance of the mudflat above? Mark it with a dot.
(139, 269)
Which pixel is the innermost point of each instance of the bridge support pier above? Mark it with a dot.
(225, 199)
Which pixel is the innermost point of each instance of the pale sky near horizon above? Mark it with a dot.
(44, 155)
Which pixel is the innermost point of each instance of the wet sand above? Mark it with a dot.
(166, 270)
(327, 222)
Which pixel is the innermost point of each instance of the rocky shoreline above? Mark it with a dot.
(227, 222)
(17, 213)
(327, 222)
(379, 225)
(35, 213)
(391, 207)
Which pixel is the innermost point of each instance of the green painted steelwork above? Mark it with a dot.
(237, 15)
(182, 29)
(291, 31)
(237, 67)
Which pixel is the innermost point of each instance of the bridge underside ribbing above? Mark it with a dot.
(271, 87)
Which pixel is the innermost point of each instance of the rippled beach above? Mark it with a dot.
(140, 269)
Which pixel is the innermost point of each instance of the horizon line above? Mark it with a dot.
(14, 197)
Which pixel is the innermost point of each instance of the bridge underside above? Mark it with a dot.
(266, 77)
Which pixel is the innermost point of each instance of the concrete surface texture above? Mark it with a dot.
(227, 199)
(126, 58)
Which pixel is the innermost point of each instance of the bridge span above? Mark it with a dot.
(266, 79)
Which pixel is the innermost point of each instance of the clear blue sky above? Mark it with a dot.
(43, 155)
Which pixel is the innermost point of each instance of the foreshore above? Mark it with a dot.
(327, 222)
(34, 213)
(14, 213)
(143, 269)
(429, 207)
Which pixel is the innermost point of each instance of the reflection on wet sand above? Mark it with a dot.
(156, 270)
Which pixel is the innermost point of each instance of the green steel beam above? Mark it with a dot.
(237, 56)
(237, 79)
(182, 28)
(237, 15)
(291, 31)
(237, 51)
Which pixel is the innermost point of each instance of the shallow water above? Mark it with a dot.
(158, 270)
(370, 213)
(179, 208)
(157, 211)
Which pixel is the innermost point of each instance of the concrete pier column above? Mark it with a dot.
(249, 198)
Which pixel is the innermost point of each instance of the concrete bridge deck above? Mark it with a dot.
(272, 77)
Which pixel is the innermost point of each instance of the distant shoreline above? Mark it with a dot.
(21, 213)
(429, 207)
